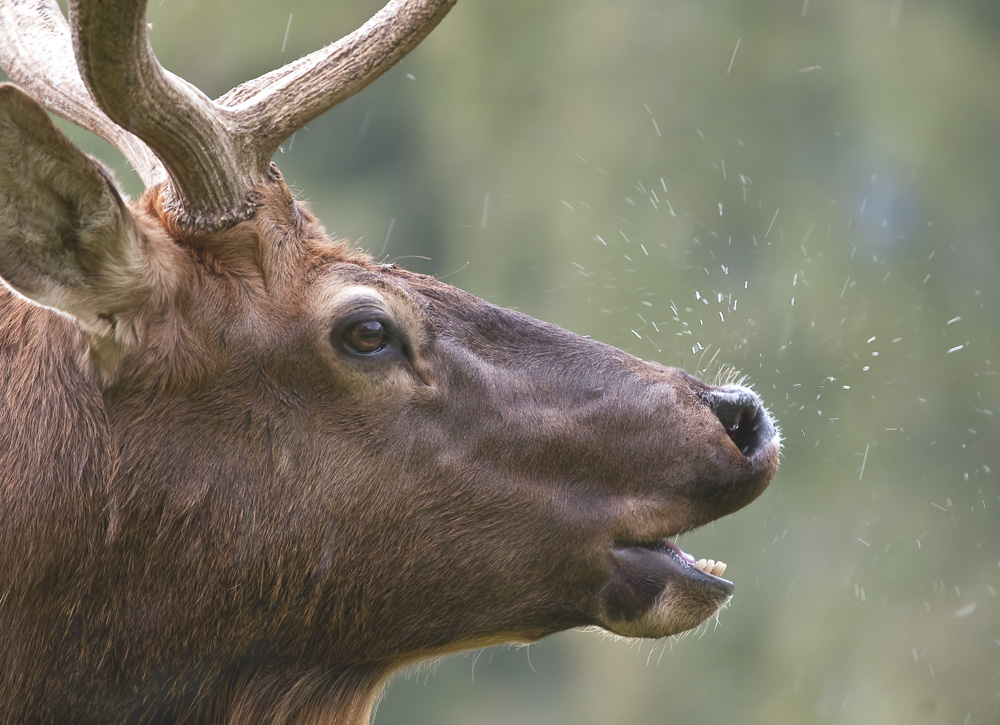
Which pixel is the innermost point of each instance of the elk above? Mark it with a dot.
(246, 471)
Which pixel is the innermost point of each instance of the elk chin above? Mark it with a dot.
(656, 590)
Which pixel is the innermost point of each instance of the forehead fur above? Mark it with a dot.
(211, 294)
(283, 242)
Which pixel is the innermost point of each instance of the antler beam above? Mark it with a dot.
(182, 126)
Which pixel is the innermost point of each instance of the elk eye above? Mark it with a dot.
(365, 338)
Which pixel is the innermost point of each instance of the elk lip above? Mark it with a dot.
(685, 564)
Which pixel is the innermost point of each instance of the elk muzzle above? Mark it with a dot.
(654, 588)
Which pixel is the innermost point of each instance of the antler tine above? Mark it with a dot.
(275, 105)
(189, 133)
(37, 53)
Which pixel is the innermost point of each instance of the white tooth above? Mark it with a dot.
(711, 566)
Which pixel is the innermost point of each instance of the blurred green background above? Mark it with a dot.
(806, 190)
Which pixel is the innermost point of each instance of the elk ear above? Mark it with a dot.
(67, 240)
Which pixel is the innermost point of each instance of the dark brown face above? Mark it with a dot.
(515, 479)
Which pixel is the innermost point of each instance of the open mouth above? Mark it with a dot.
(707, 572)
(657, 589)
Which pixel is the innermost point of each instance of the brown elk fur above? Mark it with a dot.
(212, 511)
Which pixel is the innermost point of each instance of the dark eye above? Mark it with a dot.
(365, 337)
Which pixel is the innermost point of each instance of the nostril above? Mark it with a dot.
(743, 416)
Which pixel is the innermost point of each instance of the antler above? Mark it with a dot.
(214, 152)
(278, 103)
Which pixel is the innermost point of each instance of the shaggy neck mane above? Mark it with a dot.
(344, 697)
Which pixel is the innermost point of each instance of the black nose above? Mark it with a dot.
(743, 416)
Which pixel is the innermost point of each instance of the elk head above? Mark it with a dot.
(247, 471)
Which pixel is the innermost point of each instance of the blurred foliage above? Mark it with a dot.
(804, 190)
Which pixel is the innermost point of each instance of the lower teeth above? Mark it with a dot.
(710, 566)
